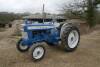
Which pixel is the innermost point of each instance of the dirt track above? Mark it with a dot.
(87, 54)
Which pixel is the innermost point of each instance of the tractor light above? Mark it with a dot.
(22, 27)
(24, 35)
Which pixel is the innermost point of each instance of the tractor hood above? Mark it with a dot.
(40, 26)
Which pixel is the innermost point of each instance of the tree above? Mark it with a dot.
(97, 2)
(76, 9)
(92, 6)
(83, 9)
(90, 13)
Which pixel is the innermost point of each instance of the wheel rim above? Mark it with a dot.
(38, 52)
(73, 39)
(23, 47)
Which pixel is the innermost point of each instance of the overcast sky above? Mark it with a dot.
(33, 6)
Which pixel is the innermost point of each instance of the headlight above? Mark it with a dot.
(24, 35)
(22, 27)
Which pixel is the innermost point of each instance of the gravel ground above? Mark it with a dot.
(87, 54)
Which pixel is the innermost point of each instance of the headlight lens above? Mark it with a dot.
(24, 35)
(22, 27)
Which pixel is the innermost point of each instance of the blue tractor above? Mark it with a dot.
(37, 31)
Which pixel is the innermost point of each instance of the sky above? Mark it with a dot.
(32, 6)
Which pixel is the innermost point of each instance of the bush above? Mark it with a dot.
(6, 18)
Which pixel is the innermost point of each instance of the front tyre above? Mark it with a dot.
(21, 47)
(37, 52)
(70, 37)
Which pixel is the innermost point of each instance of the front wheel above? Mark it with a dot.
(37, 52)
(70, 37)
(21, 47)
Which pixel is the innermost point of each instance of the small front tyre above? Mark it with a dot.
(21, 47)
(37, 52)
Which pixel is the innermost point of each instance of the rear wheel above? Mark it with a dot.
(70, 37)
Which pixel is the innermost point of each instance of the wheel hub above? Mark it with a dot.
(23, 46)
(38, 52)
(73, 39)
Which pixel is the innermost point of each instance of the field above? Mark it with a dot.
(87, 54)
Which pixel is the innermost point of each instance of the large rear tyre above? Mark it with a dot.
(37, 51)
(21, 47)
(70, 37)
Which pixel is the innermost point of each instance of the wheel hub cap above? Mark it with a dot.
(73, 39)
(23, 46)
(38, 52)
